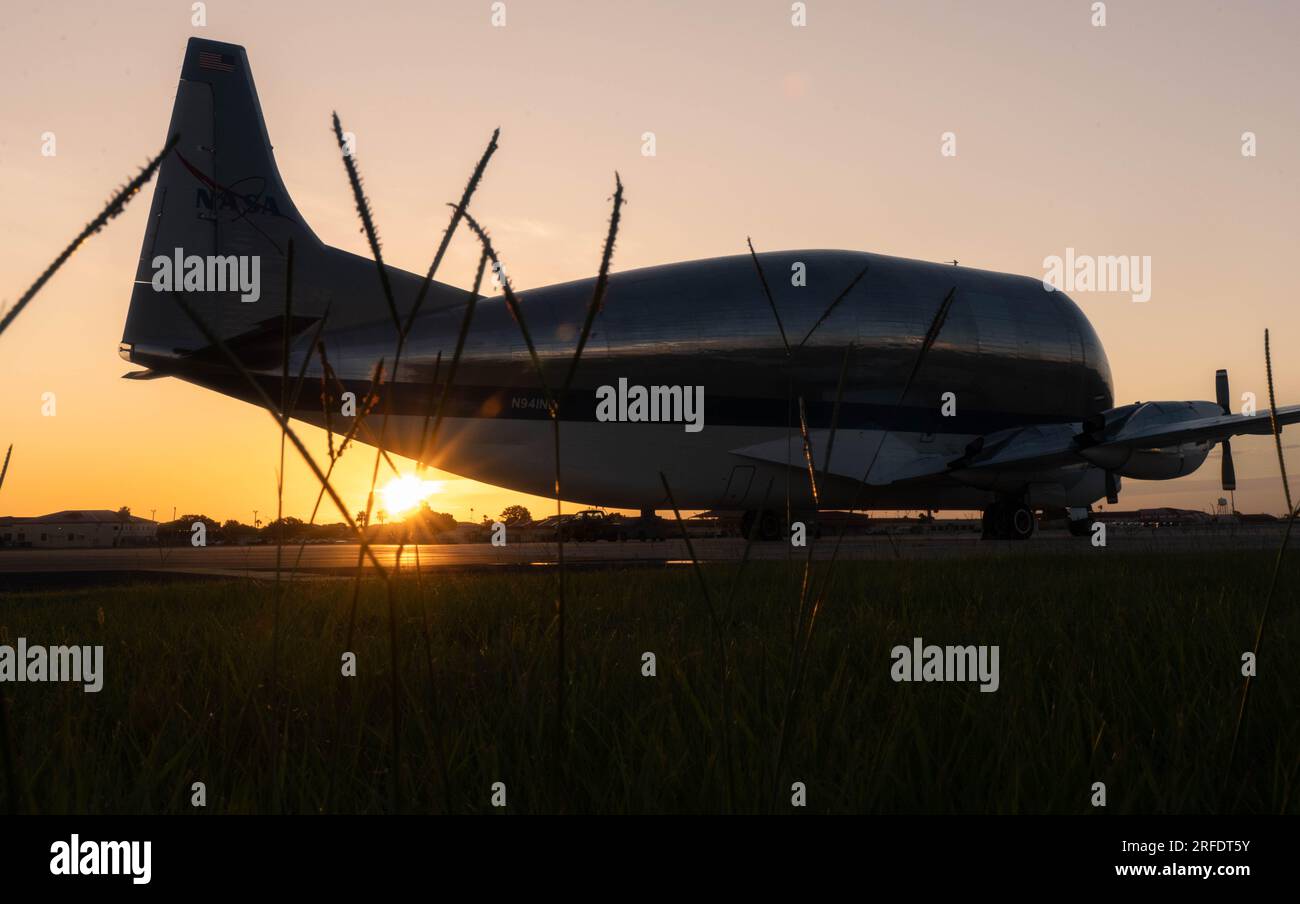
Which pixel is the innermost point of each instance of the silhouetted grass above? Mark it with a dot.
(805, 618)
(116, 204)
(1114, 667)
(553, 403)
(1292, 514)
(1277, 429)
(402, 332)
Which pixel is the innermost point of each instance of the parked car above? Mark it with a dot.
(588, 526)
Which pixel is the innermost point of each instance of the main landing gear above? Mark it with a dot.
(769, 525)
(1008, 521)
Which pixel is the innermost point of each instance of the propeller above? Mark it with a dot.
(1222, 396)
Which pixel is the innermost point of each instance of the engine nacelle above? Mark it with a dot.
(1150, 464)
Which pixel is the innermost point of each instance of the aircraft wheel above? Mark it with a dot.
(1008, 521)
(1020, 522)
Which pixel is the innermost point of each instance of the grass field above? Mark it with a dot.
(1114, 668)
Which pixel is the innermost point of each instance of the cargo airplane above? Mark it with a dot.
(945, 387)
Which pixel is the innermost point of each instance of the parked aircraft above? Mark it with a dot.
(962, 388)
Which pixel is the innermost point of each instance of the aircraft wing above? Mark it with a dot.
(1155, 432)
(1150, 425)
(850, 450)
(1037, 447)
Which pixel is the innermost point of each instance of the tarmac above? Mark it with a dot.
(36, 568)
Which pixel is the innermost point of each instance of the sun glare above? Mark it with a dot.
(401, 494)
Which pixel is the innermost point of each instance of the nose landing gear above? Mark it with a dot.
(1080, 522)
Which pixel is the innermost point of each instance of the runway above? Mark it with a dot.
(24, 568)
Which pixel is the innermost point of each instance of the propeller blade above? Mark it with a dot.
(1221, 394)
(1112, 488)
(1229, 473)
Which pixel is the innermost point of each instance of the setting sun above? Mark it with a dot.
(401, 494)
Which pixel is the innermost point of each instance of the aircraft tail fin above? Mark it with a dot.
(221, 216)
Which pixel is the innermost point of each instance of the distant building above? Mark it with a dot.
(1155, 517)
(77, 528)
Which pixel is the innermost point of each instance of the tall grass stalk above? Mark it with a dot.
(116, 204)
(1292, 512)
(720, 647)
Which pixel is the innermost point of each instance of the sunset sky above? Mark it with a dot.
(1123, 139)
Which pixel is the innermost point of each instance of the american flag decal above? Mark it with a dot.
(217, 61)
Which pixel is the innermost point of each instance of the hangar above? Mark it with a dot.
(78, 528)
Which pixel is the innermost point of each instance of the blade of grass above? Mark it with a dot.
(593, 307)
(457, 215)
(260, 393)
(833, 305)
(767, 293)
(431, 442)
(367, 219)
(116, 204)
(719, 642)
(602, 284)
(372, 236)
(789, 399)
(1277, 430)
(367, 406)
(1292, 512)
(931, 335)
(279, 483)
(807, 453)
(802, 642)
(516, 311)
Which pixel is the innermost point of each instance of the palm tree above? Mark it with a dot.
(123, 519)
